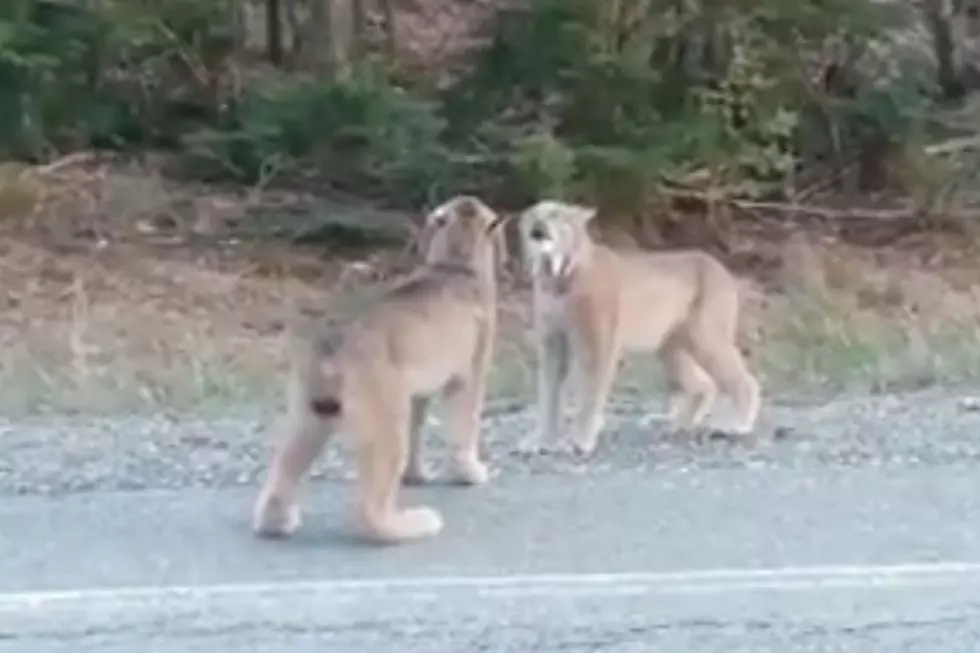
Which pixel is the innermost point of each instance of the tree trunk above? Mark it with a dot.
(273, 31)
(296, 32)
(358, 23)
(239, 28)
(944, 49)
(333, 21)
(391, 31)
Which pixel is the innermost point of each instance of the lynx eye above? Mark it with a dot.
(538, 232)
(438, 221)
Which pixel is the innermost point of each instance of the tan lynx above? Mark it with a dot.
(593, 303)
(431, 334)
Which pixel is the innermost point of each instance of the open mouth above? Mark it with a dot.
(546, 258)
(556, 264)
(546, 263)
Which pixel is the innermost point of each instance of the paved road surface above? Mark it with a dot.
(861, 559)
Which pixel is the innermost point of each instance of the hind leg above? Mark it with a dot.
(722, 359)
(416, 472)
(465, 399)
(276, 512)
(382, 431)
(695, 390)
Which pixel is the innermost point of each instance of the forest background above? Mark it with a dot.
(181, 180)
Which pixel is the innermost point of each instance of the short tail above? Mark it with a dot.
(326, 407)
(315, 365)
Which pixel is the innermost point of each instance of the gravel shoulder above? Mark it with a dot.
(140, 526)
(58, 454)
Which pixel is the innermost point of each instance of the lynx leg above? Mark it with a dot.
(276, 512)
(552, 374)
(465, 404)
(416, 472)
(724, 362)
(696, 390)
(597, 371)
(382, 456)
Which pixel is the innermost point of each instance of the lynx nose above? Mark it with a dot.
(538, 232)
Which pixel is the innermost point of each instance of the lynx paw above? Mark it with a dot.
(585, 445)
(587, 437)
(584, 449)
(731, 434)
(422, 521)
(469, 471)
(408, 524)
(275, 517)
(417, 475)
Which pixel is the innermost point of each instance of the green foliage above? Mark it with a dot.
(48, 59)
(125, 71)
(543, 165)
(664, 88)
(361, 134)
(567, 97)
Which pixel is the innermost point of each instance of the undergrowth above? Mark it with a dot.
(103, 338)
(568, 98)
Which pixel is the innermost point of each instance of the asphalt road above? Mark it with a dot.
(862, 559)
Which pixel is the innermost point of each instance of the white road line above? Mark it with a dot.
(812, 578)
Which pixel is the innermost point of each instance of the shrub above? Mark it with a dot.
(566, 98)
(665, 89)
(361, 134)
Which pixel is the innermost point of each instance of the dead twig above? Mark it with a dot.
(953, 145)
(64, 162)
(792, 210)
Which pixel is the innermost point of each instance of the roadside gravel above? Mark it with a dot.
(57, 454)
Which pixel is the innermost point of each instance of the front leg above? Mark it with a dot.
(596, 371)
(416, 472)
(552, 374)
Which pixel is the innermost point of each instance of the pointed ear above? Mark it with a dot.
(498, 236)
(418, 234)
(416, 224)
(583, 214)
(531, 212)
(499, 222)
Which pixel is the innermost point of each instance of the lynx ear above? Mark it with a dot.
(582, 214)
(415, 224)
(420, 232)
(499, 222)
(498, 235)
(529, 212)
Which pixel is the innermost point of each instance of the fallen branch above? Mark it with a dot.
(64, 162)
(826, 213)
(953, 145)
(883, 215)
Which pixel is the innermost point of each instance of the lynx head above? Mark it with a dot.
(555, 236)
(462, 230)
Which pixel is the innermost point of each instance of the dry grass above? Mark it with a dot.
(97, 322)
(853, 319)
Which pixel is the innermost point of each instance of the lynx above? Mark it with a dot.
(593, 303)
(431, 334)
